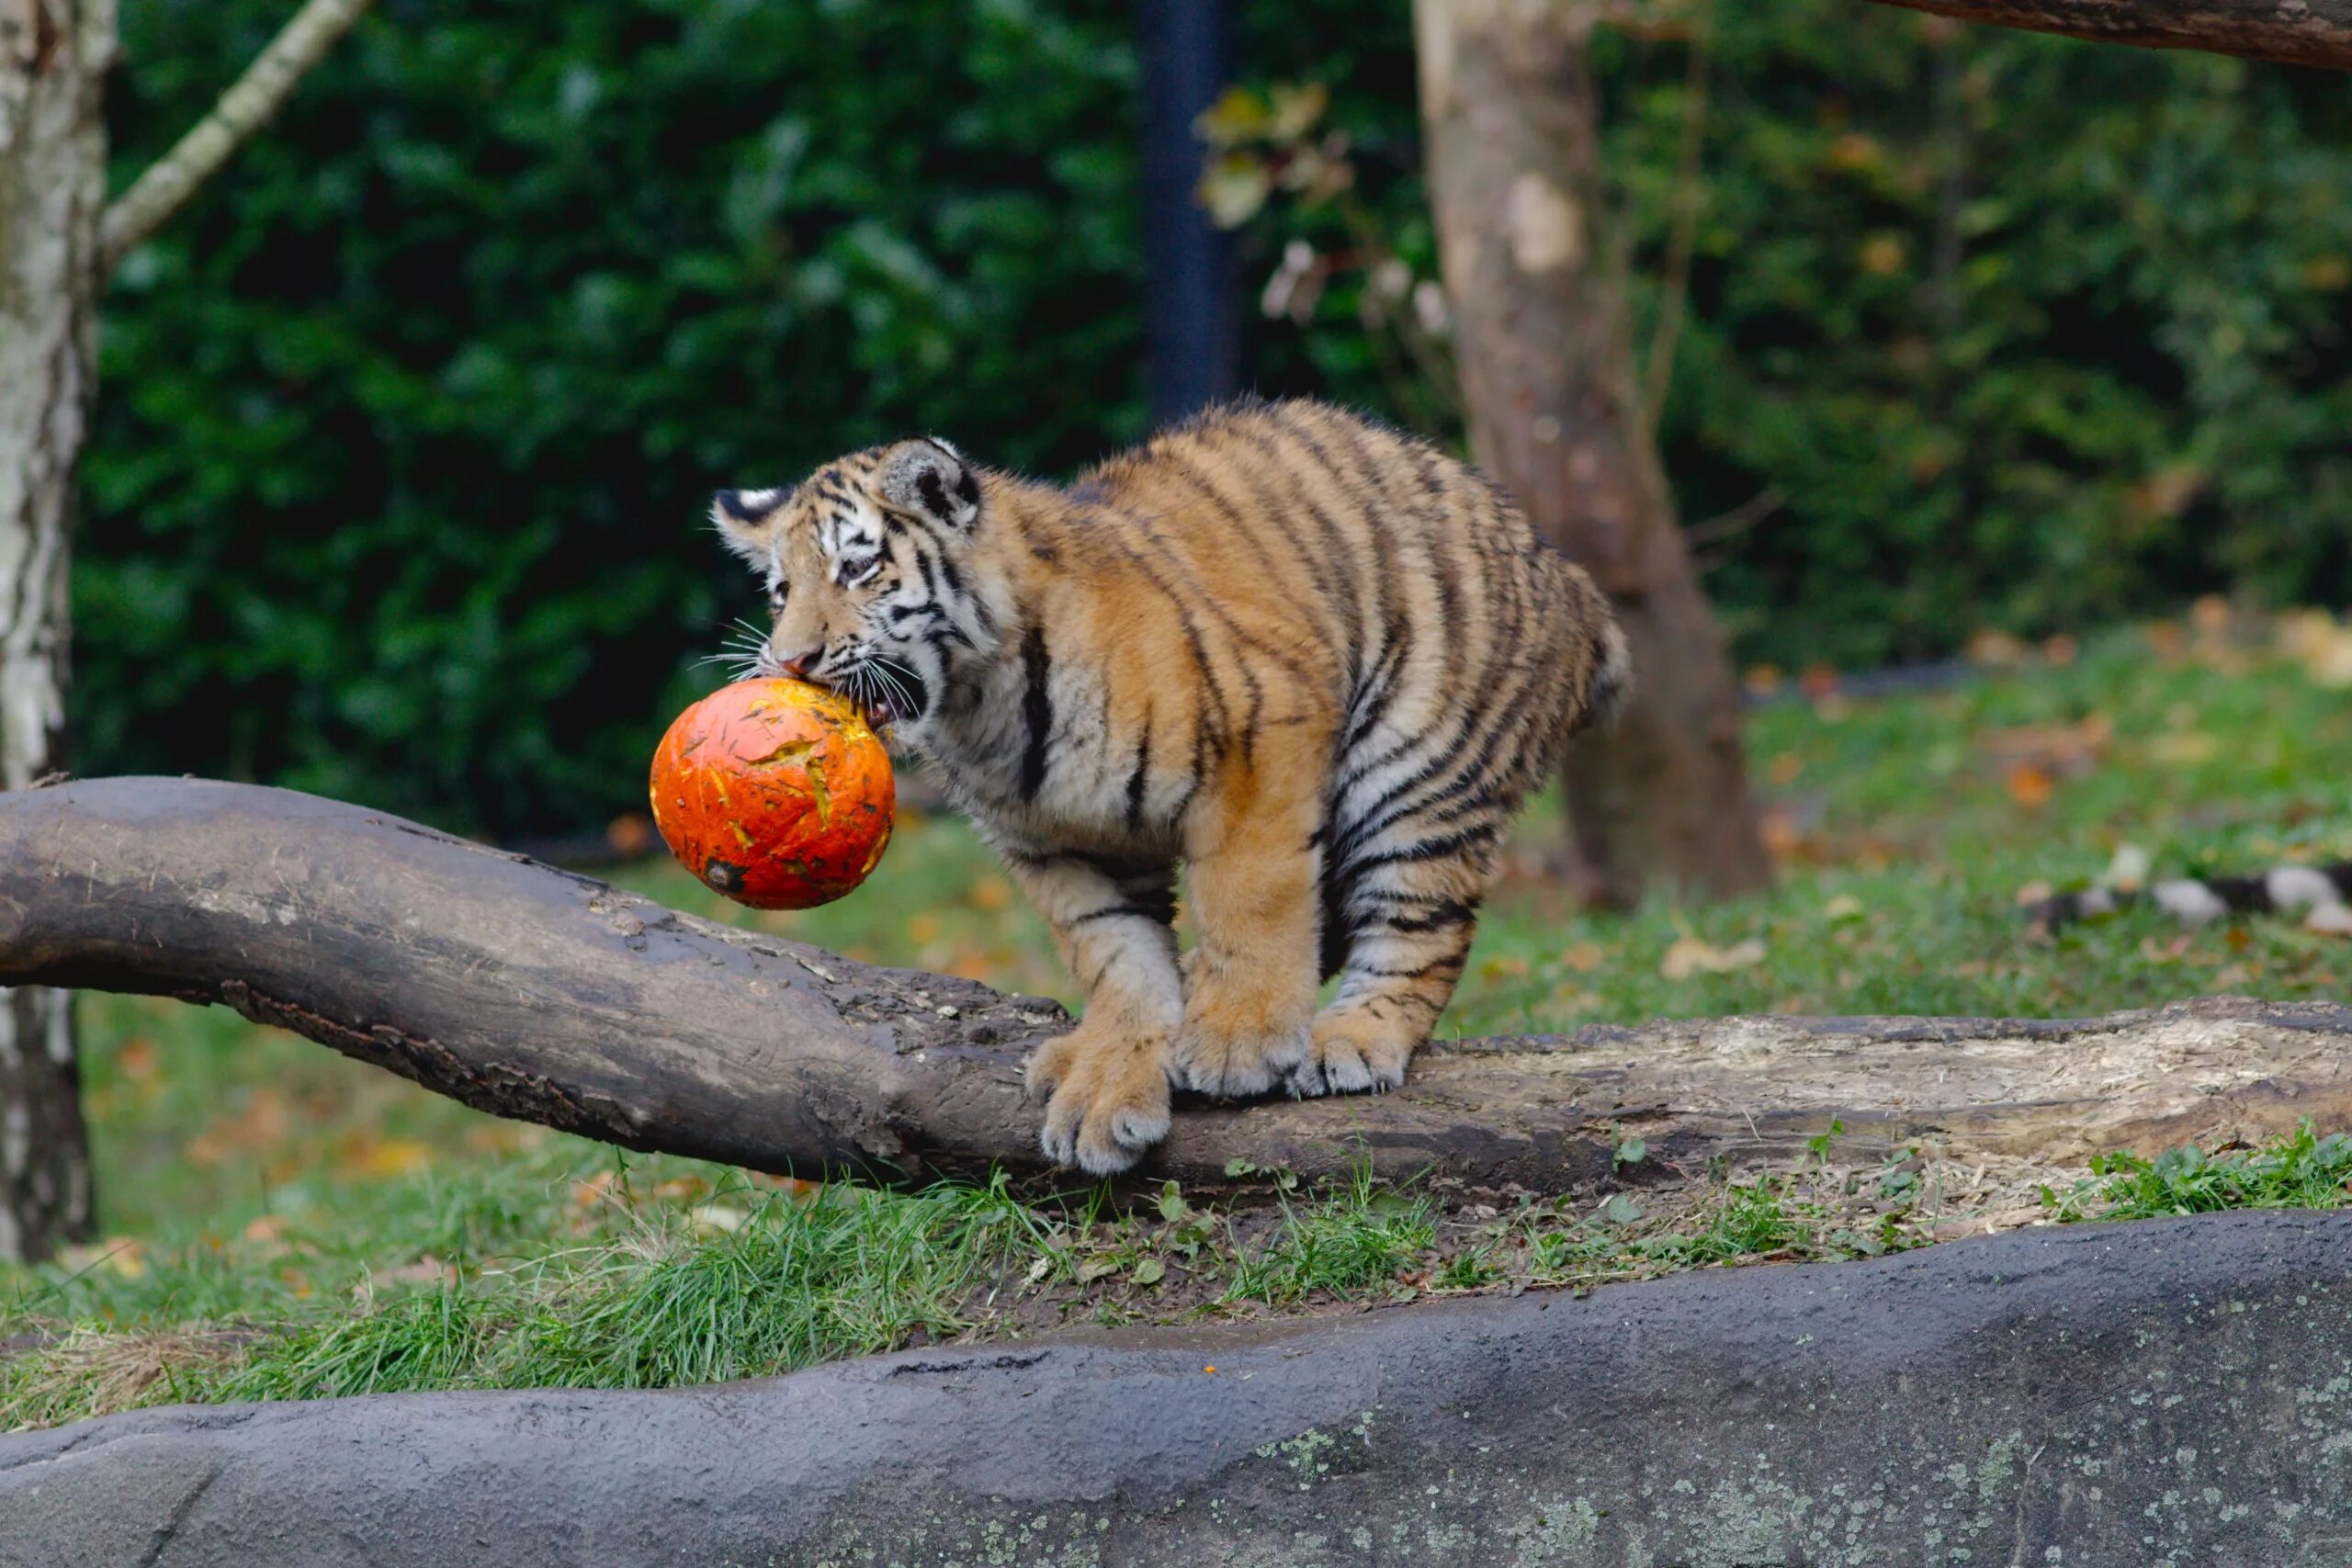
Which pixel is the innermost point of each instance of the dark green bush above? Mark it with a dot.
(409, 423)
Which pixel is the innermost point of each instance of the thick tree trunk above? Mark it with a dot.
(54, 58)
(1544, 338)
(532, 993)
(2298, 32)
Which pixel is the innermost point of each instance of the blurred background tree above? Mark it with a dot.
(61, 241)
(415, 411)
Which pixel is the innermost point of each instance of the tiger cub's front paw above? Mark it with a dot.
(1353, 1052)
(1106, 1099)
(1232, 1064)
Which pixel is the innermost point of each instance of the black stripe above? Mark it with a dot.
(1037, 712)
(1451, 913)
(1110, 912)
(1136, 780)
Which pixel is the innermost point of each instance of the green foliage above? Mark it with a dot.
(2302, 1171)
(412, 421)
(1356, 1238)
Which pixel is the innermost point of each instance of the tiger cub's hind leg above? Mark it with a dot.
(1408, 925)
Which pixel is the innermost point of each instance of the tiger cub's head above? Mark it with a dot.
(870, 574)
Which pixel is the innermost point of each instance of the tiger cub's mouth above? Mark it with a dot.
(884, 689)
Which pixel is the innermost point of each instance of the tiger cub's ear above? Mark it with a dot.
(741, 518)
(930, 479)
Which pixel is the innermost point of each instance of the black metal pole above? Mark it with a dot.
(1189, 320)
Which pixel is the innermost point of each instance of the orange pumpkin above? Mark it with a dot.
(776, 793)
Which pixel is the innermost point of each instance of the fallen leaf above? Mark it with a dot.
(718, 1217)
(1583, 957)
(1150, 1271)
(1995, 649)
(1845, 907)
(135, 1058)
(2029, 786)
(390, 1156)
(1689, 955)
(119, 1255)
(2034, 893)
(991, 893)
(2185, 750)
(593, 1191)
(1094, 1268)
(426, 1270)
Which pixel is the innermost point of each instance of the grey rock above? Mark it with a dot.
(2171, 1393)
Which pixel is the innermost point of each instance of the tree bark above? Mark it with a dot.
(2295, 32)
(532, 993)
(1544, 341)
(54, 55)
(248, 106)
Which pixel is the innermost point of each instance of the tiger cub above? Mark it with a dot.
(1318, 662)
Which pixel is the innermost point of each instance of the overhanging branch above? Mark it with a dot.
(2295, 32)
(248, 106)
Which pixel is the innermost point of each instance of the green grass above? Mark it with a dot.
(2301, 1171)
(283, 1222)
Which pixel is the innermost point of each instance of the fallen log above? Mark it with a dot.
(2292, 32)
(533, 993)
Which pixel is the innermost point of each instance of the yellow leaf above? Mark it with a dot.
(1689, 955)
(991, 893)
(718, 1217)
(1233, 187)
(2185, 750)
(923, 929)
(1240, 116)
(392, 1157)
(1583, 957)
(1295, 109)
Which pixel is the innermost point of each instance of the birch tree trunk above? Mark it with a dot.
(1544, 341)
(54, 58)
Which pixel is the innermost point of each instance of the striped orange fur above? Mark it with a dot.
(1316, 662)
